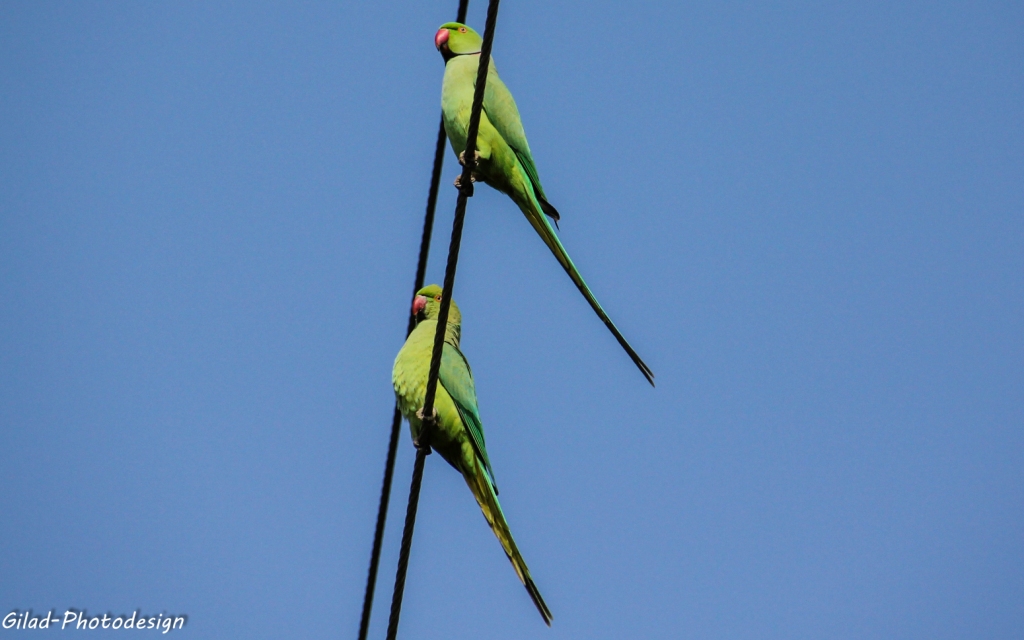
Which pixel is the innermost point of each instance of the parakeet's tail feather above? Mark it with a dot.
(543, 228)
(488, 501)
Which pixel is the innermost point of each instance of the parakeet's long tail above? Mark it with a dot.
(543, 227)
(488, 501)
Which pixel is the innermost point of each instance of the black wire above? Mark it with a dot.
(428, 219)
(396, 421)
(429, 422)
(382, 514)
(403, 559)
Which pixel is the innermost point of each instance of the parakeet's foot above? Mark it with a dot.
(458, 180)
(476, 158)
(420, 442)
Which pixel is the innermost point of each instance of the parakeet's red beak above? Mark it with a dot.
(440, 38)
(419, 303)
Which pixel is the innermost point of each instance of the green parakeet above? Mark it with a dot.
(503, 155)
(459, 436)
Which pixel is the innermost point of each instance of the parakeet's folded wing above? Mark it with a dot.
(501, 110)
(457, 379)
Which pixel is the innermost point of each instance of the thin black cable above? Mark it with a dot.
(429, 420)
(396, 421)
(378, 534)
(428, 219)
(410, 523)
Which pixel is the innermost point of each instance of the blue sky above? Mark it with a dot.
(807, 218)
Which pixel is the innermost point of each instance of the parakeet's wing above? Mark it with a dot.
(501, 110)
(457, 379)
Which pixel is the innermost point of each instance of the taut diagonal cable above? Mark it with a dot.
(429, 421)
(396, 421)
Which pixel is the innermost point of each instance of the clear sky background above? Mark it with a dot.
(808, 218)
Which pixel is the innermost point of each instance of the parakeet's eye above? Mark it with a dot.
(462, 29)
(438, 298)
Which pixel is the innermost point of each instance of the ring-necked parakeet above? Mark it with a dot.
(459, 436)
(503, 155)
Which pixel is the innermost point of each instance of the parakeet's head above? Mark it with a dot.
(456, 39)
(427, 304)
